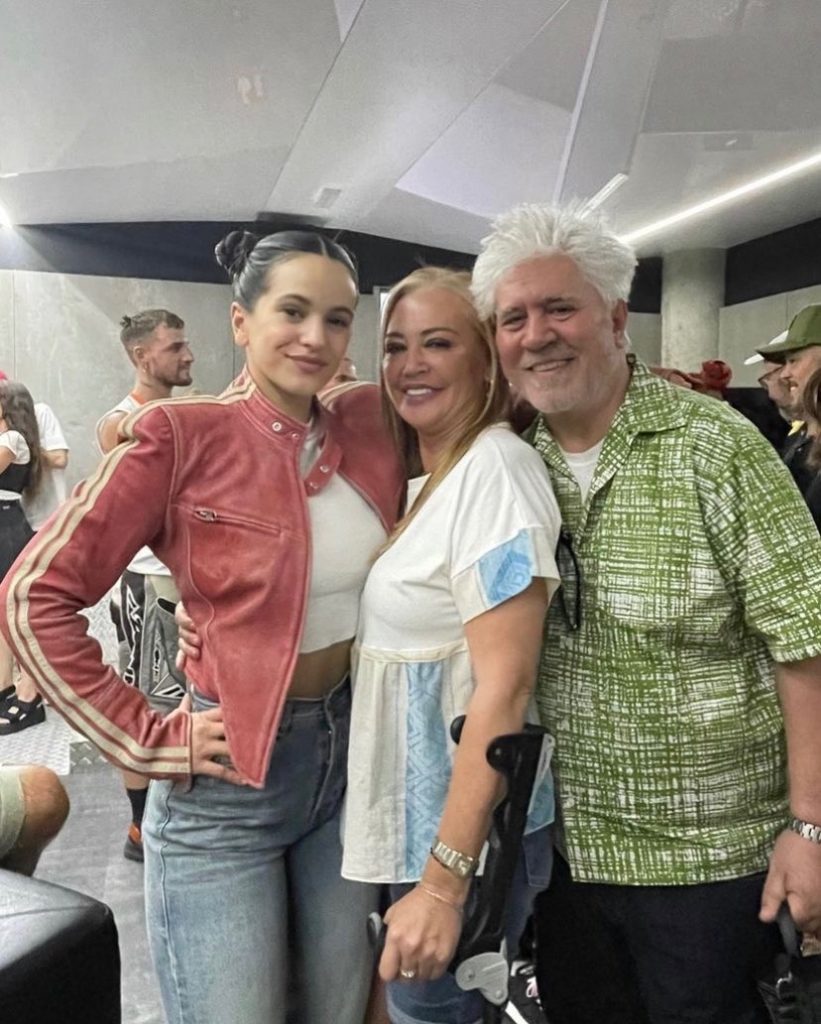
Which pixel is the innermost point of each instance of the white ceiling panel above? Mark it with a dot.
(114, 84)
(346, 12)
(612, 96)
(412, 218)
(160, 190)
(674, 172)
(406, 72)
(505, 148)
(428, 115)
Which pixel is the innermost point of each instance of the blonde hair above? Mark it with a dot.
(493, 409)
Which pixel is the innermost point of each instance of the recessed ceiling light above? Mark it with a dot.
(724, 198)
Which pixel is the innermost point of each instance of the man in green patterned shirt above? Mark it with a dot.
(681, 672)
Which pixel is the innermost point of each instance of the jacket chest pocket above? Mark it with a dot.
(229, 552)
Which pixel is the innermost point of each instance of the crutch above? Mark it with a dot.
(480, 961)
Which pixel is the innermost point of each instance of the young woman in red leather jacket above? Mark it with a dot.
(267, 509)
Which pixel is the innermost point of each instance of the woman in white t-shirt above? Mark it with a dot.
(450, 623)
(20, 474)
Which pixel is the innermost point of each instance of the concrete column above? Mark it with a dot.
(692, 294)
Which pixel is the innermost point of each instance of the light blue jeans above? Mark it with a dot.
(244, 898)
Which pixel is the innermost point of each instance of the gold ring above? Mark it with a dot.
(407, 974)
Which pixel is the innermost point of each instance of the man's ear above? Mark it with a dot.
(137, 354)
(618, 318)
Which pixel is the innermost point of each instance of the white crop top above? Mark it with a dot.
(346, 533)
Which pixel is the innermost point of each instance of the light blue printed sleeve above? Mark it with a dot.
(505, 528)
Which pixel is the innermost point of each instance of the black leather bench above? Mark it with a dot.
(59, 955)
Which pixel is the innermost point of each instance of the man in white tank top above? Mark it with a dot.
(155, 342)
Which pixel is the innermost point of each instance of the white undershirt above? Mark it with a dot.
(17, 445)
(583, 465)
(346, 532)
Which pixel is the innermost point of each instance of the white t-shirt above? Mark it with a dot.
(487, 530)
(52, 490)
(18, 446)
(345, 535)
(583, 465)
(144, 562)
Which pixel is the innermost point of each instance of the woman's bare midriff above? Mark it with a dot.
(318, 672)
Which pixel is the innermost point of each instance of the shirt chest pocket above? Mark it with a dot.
(660, 578)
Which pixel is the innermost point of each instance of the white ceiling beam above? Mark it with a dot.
(610, 105)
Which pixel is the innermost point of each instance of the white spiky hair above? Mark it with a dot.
(531, 230)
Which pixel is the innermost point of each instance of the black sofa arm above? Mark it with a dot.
(59, 955)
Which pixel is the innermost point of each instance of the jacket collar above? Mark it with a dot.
(288, 432)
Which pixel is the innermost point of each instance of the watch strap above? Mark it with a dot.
(806, 830)
(460, 864)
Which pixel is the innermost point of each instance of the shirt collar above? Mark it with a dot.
(651, 405)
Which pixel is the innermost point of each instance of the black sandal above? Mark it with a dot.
(20, 714)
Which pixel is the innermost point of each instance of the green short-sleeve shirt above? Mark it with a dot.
(700, 566)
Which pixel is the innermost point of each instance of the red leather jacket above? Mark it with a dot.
(213, 485)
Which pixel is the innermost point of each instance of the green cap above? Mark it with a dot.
(804, 330)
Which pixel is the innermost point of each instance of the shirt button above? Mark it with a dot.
(276, 426)
(563, 724)
(294, 436)
(324, 469)
(313, 487)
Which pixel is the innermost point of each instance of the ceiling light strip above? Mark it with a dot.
(756, 185)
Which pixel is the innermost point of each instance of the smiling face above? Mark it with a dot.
(298, 330)
(560, 345)
(434, 367)
(798, 368)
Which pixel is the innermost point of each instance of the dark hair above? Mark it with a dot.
(247, 259)
(18, 412)
(811, 401)
(139, 326)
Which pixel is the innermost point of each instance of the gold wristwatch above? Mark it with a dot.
(459, 864)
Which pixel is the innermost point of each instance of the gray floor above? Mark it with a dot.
(88, 856)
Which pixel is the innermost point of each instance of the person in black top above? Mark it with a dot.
(20, 472)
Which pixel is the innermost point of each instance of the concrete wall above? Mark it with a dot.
(644, 330)
(59, 336)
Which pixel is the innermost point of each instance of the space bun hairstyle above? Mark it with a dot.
(247, 259)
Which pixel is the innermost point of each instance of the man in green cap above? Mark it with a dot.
(800, 356)
(800, 351)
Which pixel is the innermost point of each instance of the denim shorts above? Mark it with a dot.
(442, 1001)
